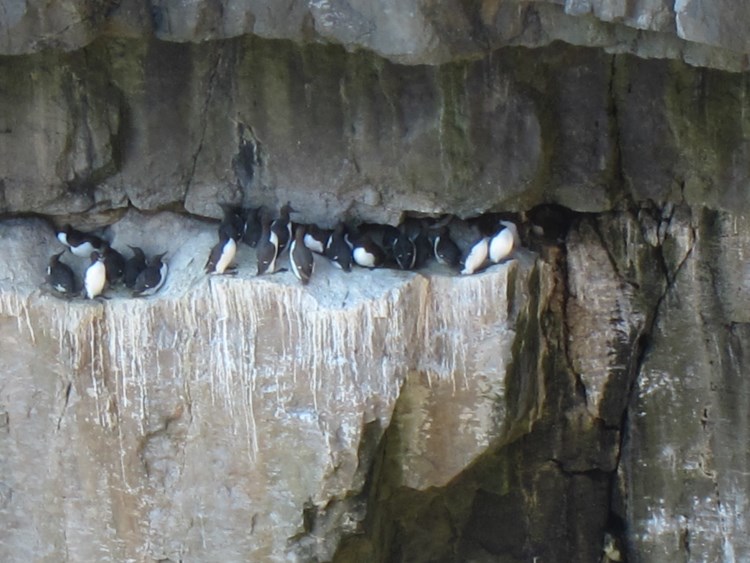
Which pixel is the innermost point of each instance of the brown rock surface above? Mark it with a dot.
(202, 422)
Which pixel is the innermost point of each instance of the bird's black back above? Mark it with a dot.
(338, 250)
(60, 276)
(134, 266)
(114, 264)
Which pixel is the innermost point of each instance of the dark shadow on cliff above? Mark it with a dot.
(543, 492)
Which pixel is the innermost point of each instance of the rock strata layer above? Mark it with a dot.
(162, 125)
(700, 32)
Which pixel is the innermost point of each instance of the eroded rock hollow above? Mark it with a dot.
(584, 401)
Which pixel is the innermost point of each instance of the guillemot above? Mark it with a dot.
(114, 263)
(253, 228)
(267, 249)
(366, 252)
(390, 235)
(316, 238)
(282, 228)
(221, 256)
(80, 243)
(95, 277)
(446, 251)
(404, 251)
(476, 257)
(503, 242)
(151, 279)
(338, 249)
(301, 257)
(423, 250)
(134, 266)
(233, 223)
(59, 275)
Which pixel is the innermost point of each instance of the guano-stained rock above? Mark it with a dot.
(684, 473)
(205, 419)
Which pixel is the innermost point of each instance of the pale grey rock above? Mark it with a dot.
(684, 474)
(655, 15)
(713, 23)
(204, 421)
(33, 25)
(700, 32)
(69, 121)
(605, 316)
(444, 423)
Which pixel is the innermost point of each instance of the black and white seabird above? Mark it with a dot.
(267, 249)
(134, 266)
(423, 250)
(550, 221)
(412, 227)
(221, 257)
(338, 249)
(390, 236)
(282, 228)
(95, 277)
(446, 251)
(476, 257)
(301, 257)
(114, 263)
(233, 223)
(151, 279)
(503, 242)
(60, 276)
(80, 243)
(253, 228)
(316, 238)
(366, 252)
(404, 252)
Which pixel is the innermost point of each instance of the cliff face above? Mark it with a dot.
(411, 31)
(210, 419)
(159, 125)
(591, 387)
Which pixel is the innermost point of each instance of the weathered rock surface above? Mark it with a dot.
(700, 32)
(516, 415)
(206, 422)
(180, 126)
(383, 416)
(685, 471)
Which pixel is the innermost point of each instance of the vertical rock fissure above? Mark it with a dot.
(204, 117)
(68, 388)
(561, 277)
(642, 348)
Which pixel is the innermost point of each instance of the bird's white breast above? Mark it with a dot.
(313, 244)
(83, 250)
(476, 257)
(363, 258)
(227, 255)
(501, 245)
(96, 276)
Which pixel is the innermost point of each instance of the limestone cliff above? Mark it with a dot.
(590, 388)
